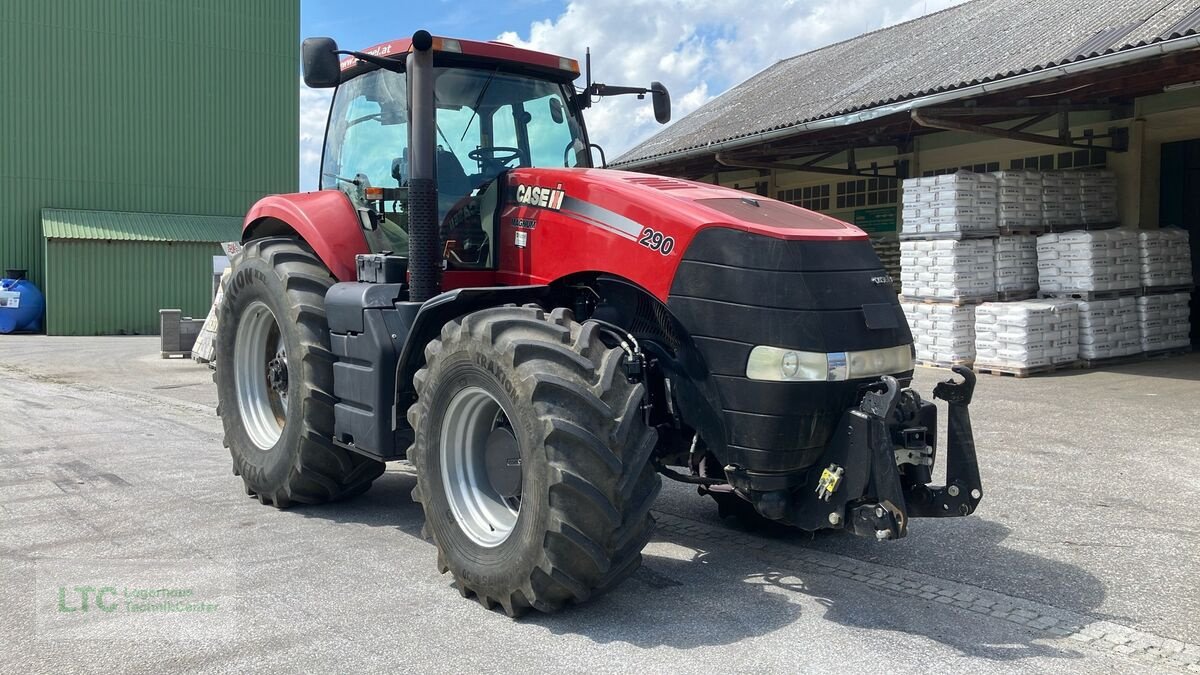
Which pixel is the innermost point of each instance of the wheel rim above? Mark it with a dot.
(481, 467)
(261, 375)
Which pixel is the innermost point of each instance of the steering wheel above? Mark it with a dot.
(494, 153)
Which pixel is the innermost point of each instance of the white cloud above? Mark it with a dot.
(314, 109)
(698, 48)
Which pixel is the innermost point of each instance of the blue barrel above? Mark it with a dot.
(21, 303)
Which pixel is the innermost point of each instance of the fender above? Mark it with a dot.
(326, 220)
(433, 314)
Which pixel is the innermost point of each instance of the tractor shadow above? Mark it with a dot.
(690, 594)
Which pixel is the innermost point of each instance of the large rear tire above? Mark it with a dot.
(275, 379)
(533, 459)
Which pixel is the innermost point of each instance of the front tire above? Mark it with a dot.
(275, 379)
(514, 387)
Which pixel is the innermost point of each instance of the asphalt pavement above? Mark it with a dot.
(1083, 556)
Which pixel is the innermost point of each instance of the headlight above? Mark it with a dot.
(789, 365)
(773, 363)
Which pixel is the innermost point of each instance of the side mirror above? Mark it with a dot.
(321, 66)
(662, 102)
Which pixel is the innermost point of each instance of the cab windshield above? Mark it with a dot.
(488, 121)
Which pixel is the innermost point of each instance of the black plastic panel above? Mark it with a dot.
(368, 331)
(757, 252)
(735, 290)
(835, 330)
(846, 289)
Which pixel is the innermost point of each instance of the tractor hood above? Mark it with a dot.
(647, 200)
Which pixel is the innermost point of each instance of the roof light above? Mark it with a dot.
(447, 45)
(568, 64)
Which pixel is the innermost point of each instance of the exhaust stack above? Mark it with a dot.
(424, 261)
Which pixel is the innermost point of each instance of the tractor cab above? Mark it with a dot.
(496, 108)
(487, 121)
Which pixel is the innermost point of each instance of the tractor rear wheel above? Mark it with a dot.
(532, 457)
(275, 379)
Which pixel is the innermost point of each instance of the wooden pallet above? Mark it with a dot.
(1088, 296)
(1015, 296)
(1012, 371)
(1021, 231)
(1087, 226)
(957, 302)
(1088, 364)
(943, 364)
(1165, 290)
(954, 236)
(1167, 353)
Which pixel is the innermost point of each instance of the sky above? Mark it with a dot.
(697, 48)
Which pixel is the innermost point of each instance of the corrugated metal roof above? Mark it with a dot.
(129, 226)
(975, 42)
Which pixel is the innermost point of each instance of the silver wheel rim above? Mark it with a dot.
(260, 373)
(483, 514)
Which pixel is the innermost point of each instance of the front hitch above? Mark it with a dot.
(873, 475)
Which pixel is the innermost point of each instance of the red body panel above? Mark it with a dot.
(604, 214)
(595, 224)
(487, 50)
(325, 219)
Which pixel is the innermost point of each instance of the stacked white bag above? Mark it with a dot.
(1026, 334)
(942, 334)
(1109, 328)
(1061, 201)
(1016, 264)
(1164, 321)
(1018, 199)
(948, 269)
(961, 202)
(1085, 262)
(1098, 196)
(1165, 257)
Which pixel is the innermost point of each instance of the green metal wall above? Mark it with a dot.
(117, 287)
(173, 106)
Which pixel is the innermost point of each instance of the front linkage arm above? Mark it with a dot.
(963, 489)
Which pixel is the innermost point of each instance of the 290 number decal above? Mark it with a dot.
(657, 241)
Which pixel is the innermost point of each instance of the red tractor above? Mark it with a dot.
(543, 340)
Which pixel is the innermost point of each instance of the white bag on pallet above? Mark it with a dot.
(1108, 328)
(948, 269)
(1087, 261)
(942, 333)
(1164, 321)
(1026, 334)
(958, 202)
(1164, 257)
(1016, 264)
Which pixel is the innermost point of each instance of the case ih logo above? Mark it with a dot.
(547, 198)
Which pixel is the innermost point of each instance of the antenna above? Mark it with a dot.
(587, 59)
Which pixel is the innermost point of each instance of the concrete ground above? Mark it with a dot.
(1083, 556)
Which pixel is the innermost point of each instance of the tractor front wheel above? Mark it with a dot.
(532, 457)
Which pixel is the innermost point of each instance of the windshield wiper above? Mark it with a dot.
(478, 100)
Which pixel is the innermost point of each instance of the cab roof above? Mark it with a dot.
(455, 50)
